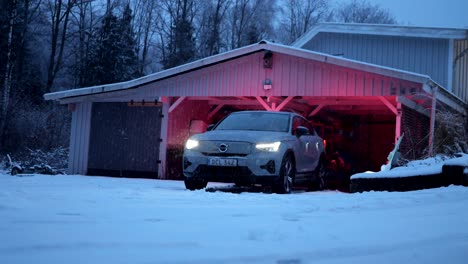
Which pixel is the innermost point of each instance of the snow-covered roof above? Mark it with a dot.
(382, 30)
(258, 47)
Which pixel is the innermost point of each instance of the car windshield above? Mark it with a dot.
(260, 121)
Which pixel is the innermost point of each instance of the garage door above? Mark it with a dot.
(124, 140)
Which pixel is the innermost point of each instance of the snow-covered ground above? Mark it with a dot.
(81, 219)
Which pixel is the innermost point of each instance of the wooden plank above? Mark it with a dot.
(263, 103)
(176, 103)
(388, 104)
(284, 103)
(316, 110)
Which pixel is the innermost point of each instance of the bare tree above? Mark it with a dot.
(16, 14)
(60, 18)
(12, 14)
(83, 24)
(145, 24)
(211, 22)
(300, 16)
(361, 11)
(177, 33)
(249, 21)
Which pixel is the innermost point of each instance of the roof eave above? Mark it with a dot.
(382, 30)
(156, 76)
(445, 96)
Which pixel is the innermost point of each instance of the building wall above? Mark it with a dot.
(420, 55)
(289, 75)
(460, 69)
(79, 139)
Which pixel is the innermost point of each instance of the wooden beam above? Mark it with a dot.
(212, 113)
(176, 103)
(414, 105)
(117, 96)
(233, 102)
(263, 103)
(316, 110)
(388, 104)
(332, 102)
(284, 103)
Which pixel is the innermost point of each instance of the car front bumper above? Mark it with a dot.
(258, 167)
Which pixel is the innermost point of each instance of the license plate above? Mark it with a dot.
(222, 162)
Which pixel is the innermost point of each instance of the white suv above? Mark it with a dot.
(256, 147)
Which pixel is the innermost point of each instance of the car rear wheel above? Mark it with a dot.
(317, 182)
(287, 172)
(15, 171)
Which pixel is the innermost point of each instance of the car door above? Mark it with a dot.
(304, 149)
(312, 146)
(315, 148)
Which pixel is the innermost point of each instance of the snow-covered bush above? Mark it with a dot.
(56, 158)
(451, 135)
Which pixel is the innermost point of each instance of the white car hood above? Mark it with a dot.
(243, 136)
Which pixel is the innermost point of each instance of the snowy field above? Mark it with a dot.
(79, 219)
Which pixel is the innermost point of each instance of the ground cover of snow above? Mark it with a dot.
(83, 219)
(424, 167)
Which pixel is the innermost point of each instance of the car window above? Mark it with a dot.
(259, 121)
(299, 121)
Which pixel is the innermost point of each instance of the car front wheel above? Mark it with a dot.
(287, 172)
(193, 184)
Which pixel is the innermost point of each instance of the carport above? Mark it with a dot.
(359, 107)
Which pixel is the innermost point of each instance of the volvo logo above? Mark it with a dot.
(223, 147)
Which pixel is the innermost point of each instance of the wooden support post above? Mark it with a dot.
(433, 120)
(398, 122)
(164, 135)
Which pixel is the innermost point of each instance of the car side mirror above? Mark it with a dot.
(210, 127)
(300, 131)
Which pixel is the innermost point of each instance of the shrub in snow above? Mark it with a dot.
(451, 135)
(56, 158)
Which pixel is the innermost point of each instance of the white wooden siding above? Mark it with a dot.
(79, 139)
(421, 55)
(460, 71)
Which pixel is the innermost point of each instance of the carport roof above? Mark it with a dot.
(427, 82)
(382, 30)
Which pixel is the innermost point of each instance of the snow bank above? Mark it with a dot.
(430, 166)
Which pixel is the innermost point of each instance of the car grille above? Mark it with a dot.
(234, 148)
(222, 173)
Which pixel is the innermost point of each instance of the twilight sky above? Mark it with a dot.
(432, 13)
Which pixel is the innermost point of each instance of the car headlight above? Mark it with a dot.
(190, 144)
(271, 147)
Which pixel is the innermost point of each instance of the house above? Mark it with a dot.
(441, 53)
(137, 128)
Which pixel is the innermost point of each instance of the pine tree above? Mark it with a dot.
(181, 43)
(113, 51)
(128, 60)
